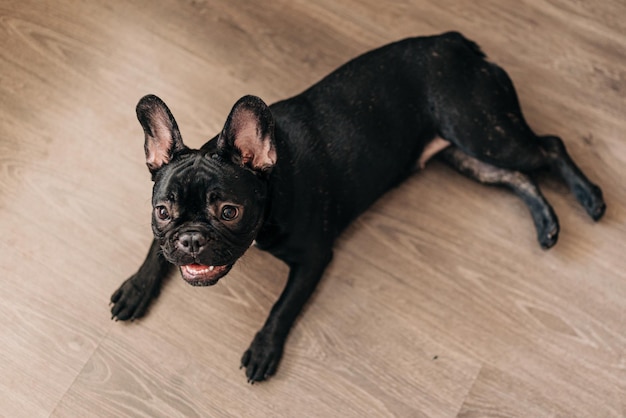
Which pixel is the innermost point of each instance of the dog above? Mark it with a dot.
(291, 176)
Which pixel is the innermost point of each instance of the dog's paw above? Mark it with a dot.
(132, 299)
(593, 202)
(546, 224)
(548, 234)
(262, 358)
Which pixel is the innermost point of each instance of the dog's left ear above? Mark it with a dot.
(248, 135)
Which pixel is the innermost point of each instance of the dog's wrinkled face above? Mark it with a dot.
(206, 214)
(208, 205)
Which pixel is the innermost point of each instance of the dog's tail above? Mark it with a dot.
(473, 46)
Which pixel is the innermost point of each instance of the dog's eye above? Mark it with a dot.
(162, 213)
(229, 212)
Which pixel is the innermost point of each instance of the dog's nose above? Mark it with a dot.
(191, 242)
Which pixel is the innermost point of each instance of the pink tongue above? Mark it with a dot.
(196, 268)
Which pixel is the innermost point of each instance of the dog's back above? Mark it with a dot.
(361, 129)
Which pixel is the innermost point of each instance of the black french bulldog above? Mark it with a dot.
(293, 175)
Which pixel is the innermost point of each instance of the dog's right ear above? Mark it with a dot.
(162, 137)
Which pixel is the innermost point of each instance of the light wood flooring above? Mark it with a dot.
(439, 301)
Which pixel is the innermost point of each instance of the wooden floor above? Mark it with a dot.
(439, 301)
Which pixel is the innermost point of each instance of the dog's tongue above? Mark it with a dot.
(198, 272)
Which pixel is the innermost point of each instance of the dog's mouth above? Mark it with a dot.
(201, 275)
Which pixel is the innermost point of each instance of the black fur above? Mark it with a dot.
(292, 176)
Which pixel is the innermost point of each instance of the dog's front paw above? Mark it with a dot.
(132, 299)
(262, 358)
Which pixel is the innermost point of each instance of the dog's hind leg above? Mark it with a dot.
(487, 124)
(525, 152)
(546, 222)
(588, 194)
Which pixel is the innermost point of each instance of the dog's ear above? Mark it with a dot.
(162, 137)
(248, 135)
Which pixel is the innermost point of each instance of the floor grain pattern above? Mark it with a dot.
(439, 302)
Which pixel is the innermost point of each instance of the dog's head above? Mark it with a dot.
(208, 204)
